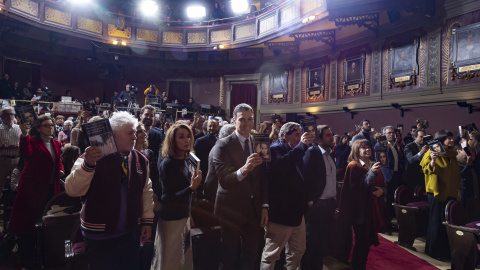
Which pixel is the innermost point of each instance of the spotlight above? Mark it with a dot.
(215, 47)
(305, 20)
(346, 109)
(124, 43)
(79, 2)
(148, 7)
(311, 17)
(398, 107)
(196, 12)
(239, 6)
(221, 46)
(115, 42)
(464, 104)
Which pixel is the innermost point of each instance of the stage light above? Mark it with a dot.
(239, 6)
(311, 17)
(124, 43)
(79, 2)
(148, 7)
(115, 42)
(221, 46)
(305, 20)
(196, 12)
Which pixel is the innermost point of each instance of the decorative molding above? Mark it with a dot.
(433, 50)
(114, 31)
(333, 79)
(89, 25)
(376, 71)
(402, 84)
(58, 16)
(326, 36)
(297, 85)
(289, 46)
(369, 21)
(147, 35)
(466, 76)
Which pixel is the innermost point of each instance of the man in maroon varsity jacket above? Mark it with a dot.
(117, 195)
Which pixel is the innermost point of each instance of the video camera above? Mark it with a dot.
(46, 94)
(89, 106)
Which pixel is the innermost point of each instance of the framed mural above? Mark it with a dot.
(278, 87)
(316, 82)
(403, 64)
(465, 52)
(354, 74)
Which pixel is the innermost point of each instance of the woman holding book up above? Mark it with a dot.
(177, 183)
(39, 181)
(361, 201)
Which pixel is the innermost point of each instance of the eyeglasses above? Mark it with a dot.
(48, 125)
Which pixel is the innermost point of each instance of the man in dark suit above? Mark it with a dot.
(414, 152)
(204, 145)
(321, 186)
(287, 198)
(242, 195)
(365, 132)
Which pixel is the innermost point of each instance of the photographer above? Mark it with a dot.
(151, 91)
(128, 95)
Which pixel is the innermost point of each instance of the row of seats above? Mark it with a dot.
(463, 225)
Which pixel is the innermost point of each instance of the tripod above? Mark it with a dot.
(132, 104)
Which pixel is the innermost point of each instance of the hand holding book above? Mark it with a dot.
(92, 155)
(196, 179)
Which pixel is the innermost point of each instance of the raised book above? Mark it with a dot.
(310, 125)
(261, 146)
(27, 114)
(381, 155)
(194, 163)
(436, 146)
(99, 133)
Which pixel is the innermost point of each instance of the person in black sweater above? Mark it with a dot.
(178, 183)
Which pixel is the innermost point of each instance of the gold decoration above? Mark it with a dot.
(467, 76)
(402, 83)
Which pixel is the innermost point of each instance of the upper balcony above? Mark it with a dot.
(279, 20)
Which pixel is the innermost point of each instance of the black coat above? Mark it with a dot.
(413, 174)
(316, 173)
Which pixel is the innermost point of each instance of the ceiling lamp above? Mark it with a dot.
(239, 6)
(115, 42)
(124, 43)
(196, 12)
(79, 2)
(148, 7)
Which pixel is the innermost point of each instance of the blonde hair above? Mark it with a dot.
(169, 148)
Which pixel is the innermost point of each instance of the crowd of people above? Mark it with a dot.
(284, 207)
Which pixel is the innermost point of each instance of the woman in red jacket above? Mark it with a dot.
(39, 181)
(361, 202)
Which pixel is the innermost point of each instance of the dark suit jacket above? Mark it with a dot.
(199, 135)
(315, 172)
(202, 148)
(287, 191)
(413, 171)
(211, 180)
(155, 139)
(234, 197)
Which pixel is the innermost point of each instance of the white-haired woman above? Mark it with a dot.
(64, 135)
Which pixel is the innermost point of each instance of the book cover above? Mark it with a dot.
(27, 114)
(381, 155)
(436, 146)
(261, 146)
(310, 125)
(99, 133)
(193, 163)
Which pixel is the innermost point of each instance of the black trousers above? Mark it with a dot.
(361, 248)
(437, 245)
(319, 227)
(117, 253)
(394, 183)
(240, 236)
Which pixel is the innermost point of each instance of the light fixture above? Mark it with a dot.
(308, 19)
(239, 6)
(221, 46)
(311, 17)
(305, 20)
(196, 12)
(115, 42)
(346, 109)
(399, 107)
(79, 2)
(464, 104)
(148, 7)
(124, 43)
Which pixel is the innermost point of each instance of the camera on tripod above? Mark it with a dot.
(133, 91)
(46, 94)
(89, 106)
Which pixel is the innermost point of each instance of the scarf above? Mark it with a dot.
(67, 133)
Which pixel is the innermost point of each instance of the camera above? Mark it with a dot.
(46, 94)
(89, 106)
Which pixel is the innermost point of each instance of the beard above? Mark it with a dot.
(147, 122)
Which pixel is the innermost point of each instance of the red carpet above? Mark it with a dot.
(390, 256)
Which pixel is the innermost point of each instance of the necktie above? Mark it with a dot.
(246, 148)
(124, 168)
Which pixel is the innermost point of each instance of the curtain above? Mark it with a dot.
(180, 91)
(243, 93)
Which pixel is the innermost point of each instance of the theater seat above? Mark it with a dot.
(412, 215)
(463, 237)
(55, 228)
(75, 256)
